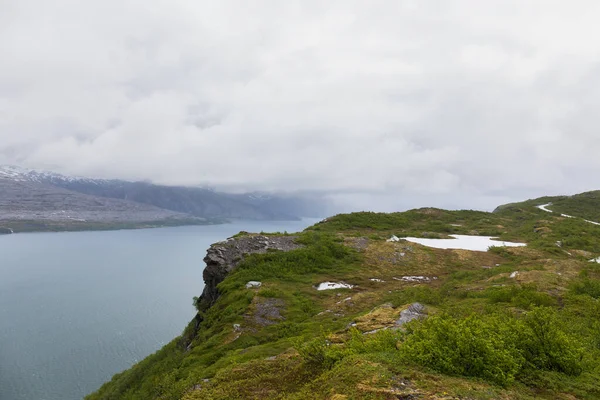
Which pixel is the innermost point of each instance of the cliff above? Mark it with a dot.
(223, 257)
(348, 309)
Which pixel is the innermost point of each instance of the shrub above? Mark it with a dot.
(546, 346)
(317, 353)
(468, 347)
(525, 296)
(586, 286)
(493, 348)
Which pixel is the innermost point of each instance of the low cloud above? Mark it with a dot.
(379, 105)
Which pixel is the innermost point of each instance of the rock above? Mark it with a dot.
(265, 312)
(514, 274)
(237, 327)
(414, 311)
(394, 238)
(222, 258)
(360, 243)
(253, 285)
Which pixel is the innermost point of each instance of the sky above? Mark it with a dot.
(380, 105)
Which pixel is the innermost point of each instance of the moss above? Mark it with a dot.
(488, 336)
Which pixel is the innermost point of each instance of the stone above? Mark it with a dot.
(253, 285)
(412, 312)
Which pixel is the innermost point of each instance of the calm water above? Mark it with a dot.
(76, 308)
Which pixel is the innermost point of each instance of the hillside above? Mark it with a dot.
(32, 206)
(397, 319)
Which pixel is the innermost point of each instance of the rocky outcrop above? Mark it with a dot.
(223, 257)
(412, 312)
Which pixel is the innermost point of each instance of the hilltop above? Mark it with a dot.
(397, 319)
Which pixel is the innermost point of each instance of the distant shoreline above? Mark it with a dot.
(33, 226)
(8, 227)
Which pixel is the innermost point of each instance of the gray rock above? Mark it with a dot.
(267, 312)
(221, 258)
(414, 311)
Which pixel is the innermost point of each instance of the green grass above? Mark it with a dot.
(487, 336)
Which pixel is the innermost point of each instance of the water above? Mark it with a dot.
(76, 308)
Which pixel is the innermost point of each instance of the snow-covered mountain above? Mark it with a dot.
(194, 202)
(19, 174)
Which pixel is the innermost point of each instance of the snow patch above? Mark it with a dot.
(514, 274)
(334, 285)
(464, 242)
(596, 260)
(394, 238)
(543, 207)
(376, 280)
(414, 279)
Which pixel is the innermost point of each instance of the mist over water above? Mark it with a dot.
(76, 308)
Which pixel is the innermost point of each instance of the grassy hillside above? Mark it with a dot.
(512, 323)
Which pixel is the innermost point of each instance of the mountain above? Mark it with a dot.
(182, 203)
(33, 206)
(390, 306)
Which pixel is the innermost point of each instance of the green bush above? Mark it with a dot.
(586, 286)
(546, 346)
(493, 348)
(468, 347)
(525, 297)
(317, 353)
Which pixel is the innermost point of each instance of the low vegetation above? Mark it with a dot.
(510, 323)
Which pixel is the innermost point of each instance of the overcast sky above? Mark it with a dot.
(382, 104)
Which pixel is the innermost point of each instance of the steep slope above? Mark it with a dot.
(400, 321)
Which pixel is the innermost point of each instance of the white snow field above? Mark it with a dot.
(464, 242)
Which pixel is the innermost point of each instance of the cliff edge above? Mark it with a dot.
(223, 257)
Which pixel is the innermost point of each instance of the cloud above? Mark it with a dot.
(379, 104)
